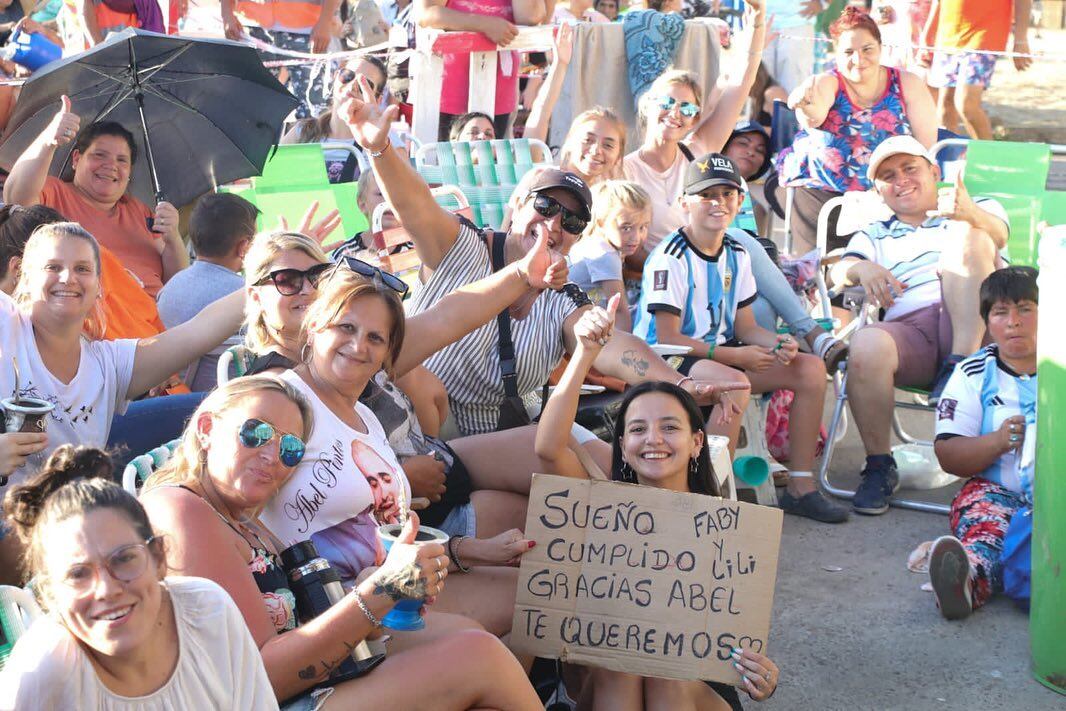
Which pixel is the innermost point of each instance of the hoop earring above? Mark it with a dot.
(305, 355)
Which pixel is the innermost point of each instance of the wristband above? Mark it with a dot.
(378, 154)
(366, 610)
(453, 553)
(710, 351)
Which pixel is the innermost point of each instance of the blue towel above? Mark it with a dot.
(651, 42)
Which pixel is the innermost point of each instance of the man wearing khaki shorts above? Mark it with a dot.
(923, 268)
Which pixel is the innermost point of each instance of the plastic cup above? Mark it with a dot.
(753, 471)
(405, 617)
(26, 414)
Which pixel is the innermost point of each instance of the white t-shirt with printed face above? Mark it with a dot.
(704, 292)
(85, 406)
(961, 412)
(347, 483)
(912, 254)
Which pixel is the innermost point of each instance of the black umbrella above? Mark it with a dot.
(208, 110)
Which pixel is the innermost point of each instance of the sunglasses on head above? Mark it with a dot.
(256, 433)
(549, 207)
(365, 269)
(347, 76)
(290, 282)
(687, 108)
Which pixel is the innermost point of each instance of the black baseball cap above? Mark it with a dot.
(710, 170)
(555, 178)
(754, 127)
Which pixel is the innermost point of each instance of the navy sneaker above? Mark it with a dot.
(878, 484)
(813, 505)
(942, 376)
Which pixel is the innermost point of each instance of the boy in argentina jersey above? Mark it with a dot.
(985, 425)
(697, 292)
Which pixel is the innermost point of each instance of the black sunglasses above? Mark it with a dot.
(290, 282)
(347, 76)
(365, 269)
(549, 207)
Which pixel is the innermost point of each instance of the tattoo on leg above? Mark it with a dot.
(634, 361)
(405, 583)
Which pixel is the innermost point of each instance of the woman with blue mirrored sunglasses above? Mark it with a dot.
(257, 433)
(678, 127)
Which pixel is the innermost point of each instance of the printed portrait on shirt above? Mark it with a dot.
(383, 480)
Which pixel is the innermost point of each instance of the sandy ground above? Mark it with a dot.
(867, 637)
(1031, 105)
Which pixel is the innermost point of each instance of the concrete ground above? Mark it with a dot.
(867, 637)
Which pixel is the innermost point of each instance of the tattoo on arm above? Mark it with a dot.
(309, 672)
(406, 583)
(633, 360)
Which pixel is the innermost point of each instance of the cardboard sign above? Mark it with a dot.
(645, 580)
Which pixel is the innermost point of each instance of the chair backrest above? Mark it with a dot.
(233, 363)
(783, 127)
(141, 466)
(294, 176)
(486, 171)
(18, 610)
(745, 219)
(1014, 174)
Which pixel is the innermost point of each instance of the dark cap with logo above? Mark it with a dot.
(710, 170)
(555, 178)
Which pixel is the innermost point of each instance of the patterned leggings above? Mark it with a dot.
(980, 515)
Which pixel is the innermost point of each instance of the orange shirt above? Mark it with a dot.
(123, 229)
(974, 24)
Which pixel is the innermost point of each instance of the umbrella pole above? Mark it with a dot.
(138, 95)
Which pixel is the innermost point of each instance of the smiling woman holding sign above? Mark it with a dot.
(659, 442)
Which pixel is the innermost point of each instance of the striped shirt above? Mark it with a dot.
(982, 393)
(470, 367)
(912, 254)
(704, 292)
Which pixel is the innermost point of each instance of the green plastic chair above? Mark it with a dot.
(142, 466)
(1015, 175)
(745, 219)
(486, 171)
(293, 177)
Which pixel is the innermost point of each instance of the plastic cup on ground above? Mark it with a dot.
(405, 617)
(753, 471)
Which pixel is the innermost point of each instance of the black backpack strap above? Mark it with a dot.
(508, 363)
(686, 151)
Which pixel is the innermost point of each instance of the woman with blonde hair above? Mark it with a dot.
(241, 446)
(677, 129)
(49, 338)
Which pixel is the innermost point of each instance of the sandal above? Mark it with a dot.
(835, 353)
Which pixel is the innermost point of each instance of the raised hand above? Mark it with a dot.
(541, 267)
(954, 202)
(595, 327)
(318, 231)
(563, 44)
(368, 123)
(64, 125)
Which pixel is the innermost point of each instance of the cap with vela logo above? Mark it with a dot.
(710, 170)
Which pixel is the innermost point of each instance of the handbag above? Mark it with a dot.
(513, 411)
(1016, 556)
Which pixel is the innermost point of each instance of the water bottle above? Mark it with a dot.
(31, 49)
(317, 587)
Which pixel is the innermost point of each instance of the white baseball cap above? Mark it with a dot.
(895, 145)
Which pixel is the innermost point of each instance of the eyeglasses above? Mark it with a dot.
(290, 282)
(126, 564)
(549, 207)
(687, 108)
(368, 270)
(256, 433)
(347, 76)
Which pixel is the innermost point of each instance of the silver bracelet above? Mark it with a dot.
(683, 380)
(366, 610)
(378, 154)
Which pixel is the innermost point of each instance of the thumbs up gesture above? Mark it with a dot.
(954, 202)
(64, 125)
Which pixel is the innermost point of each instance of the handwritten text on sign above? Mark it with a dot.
(645, 580)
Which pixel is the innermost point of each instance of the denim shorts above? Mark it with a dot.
(461, 521)
(310, 700)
